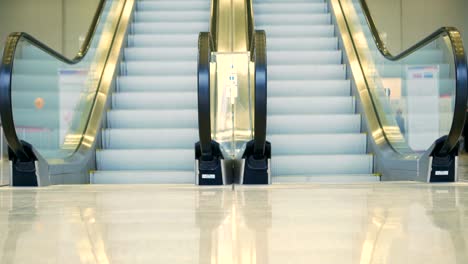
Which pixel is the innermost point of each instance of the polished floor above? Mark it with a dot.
(355, 223)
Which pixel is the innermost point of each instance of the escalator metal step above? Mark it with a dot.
(318, 144)
(152, 119)
(172, 16)
(310, 105)
(346, 178)
(169, 27)
(298, 19)
(146, 159)
(155, 100)
(188, 40)
(309, 88)
(301, 43)
(157, 83)
(170, 5)
(287, 8)
(161, 54)
(299, 30)
(307, 165)
(154, 138)
(304, 57)
(306, 72)
(142, 177)
(158, 68)
(288, 124)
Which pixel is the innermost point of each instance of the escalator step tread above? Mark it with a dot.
(318, 144)
(142, 177)
(321, 164)
(350, 178)
(181, 138)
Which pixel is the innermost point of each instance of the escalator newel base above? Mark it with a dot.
(23, 172)
(209, 172)
(443, 168)
(256, 170)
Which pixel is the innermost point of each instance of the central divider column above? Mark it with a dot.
(230, 85)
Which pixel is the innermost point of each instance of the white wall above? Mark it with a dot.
(41, 18)
(78, 15)
(408, 21)
(58, 23)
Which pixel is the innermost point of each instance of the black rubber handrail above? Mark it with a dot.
(258, 55)
(6, 71)
(205, 47)
(461, 72)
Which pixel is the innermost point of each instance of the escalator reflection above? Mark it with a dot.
(360, 223)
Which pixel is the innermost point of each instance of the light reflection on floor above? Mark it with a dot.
(4, 172)
(360, 223)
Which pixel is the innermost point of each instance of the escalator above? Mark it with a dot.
(152, 124)
(124, 110)
(52, 106)
(312, 118)
(341, 108)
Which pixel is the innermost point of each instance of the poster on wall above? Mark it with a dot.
(422, 100)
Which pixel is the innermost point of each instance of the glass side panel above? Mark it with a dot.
(414, 97)
(231, 102)
(52, 100)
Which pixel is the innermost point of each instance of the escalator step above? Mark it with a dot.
(158, 54)
(299, 31)
(301, 43)
(345, 178)
(172, 16)
(306, 72)
(146, 159)
(159, 68)
(306, 165)
(170, 5)
(152, 68)
(176, 40)
(328, 123)
(169, 27)
(155, 100)
(154, 138)
(299, 58)
(319, 144)
(298, 19)
(309, 88)
(288, 8)
(143, 177)
(310, 105)
(157, 83)
(152, 119)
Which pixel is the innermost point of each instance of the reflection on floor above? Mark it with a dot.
(355, 223)
(463, 167)
(4, 172)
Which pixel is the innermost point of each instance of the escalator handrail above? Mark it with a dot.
(214, 23)
(250, 23)
(461, 71)
(205, 47)
(258, 51)
(6, 71)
